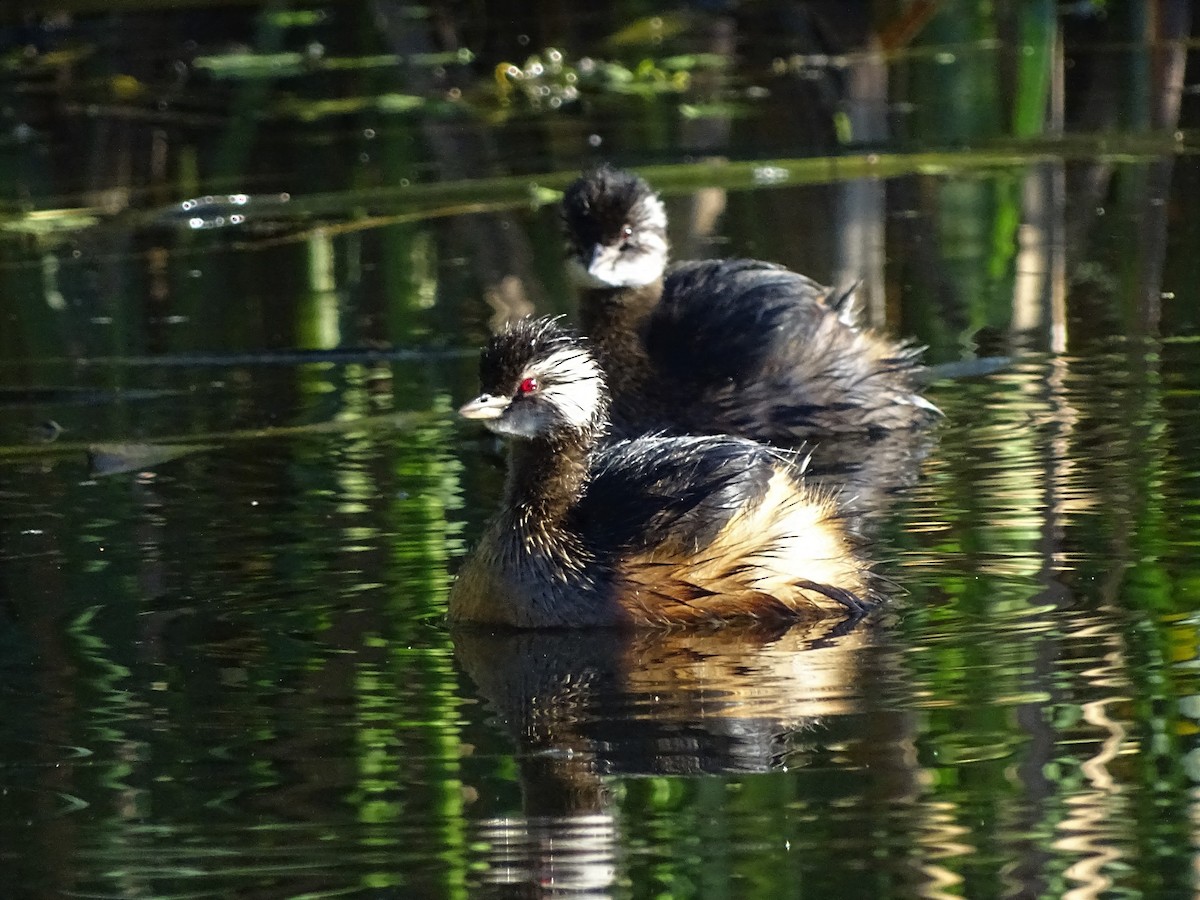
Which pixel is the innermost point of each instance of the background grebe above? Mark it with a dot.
(732, 346)
(647, 531)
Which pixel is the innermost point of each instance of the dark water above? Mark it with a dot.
(233, 492)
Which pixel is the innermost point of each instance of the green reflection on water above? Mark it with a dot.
(225, 670)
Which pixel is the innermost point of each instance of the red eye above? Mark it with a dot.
(627, 232)
(528, 386)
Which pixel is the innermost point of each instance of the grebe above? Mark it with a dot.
(653, 530)
(733, 346)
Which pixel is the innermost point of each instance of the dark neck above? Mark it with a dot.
(615, 319)
(546, 477)
(618, 310)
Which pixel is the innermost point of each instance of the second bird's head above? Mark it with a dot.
(616, 230)
(539, 380)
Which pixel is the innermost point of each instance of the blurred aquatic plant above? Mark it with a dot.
(550, 79)
(47, 222)
(307, 110)
(248, 64)
(651, 30)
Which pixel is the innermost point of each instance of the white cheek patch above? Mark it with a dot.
(573, 383)
(615, 268)
(650, 213)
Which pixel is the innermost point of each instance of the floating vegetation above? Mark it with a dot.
(652, 30)
(714, 110)
(548, 80)
(25, 61)
(544, 81)
(306, 110)
(248, 65)
(43, 222)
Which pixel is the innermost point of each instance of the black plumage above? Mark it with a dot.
(731, 346)
(599, 207)
(671, 491)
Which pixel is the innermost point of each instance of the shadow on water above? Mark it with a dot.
(247, 254)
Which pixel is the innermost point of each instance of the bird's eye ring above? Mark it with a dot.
(626, 232)
(527, 386)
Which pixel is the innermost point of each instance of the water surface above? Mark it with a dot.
(233, 493)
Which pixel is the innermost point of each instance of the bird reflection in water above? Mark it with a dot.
(584, 705)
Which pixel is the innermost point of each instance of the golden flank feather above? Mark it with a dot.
(778, 558)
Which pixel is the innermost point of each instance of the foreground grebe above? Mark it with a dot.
(732, 346)
(648, 531)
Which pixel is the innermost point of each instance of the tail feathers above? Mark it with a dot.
(685, 592)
